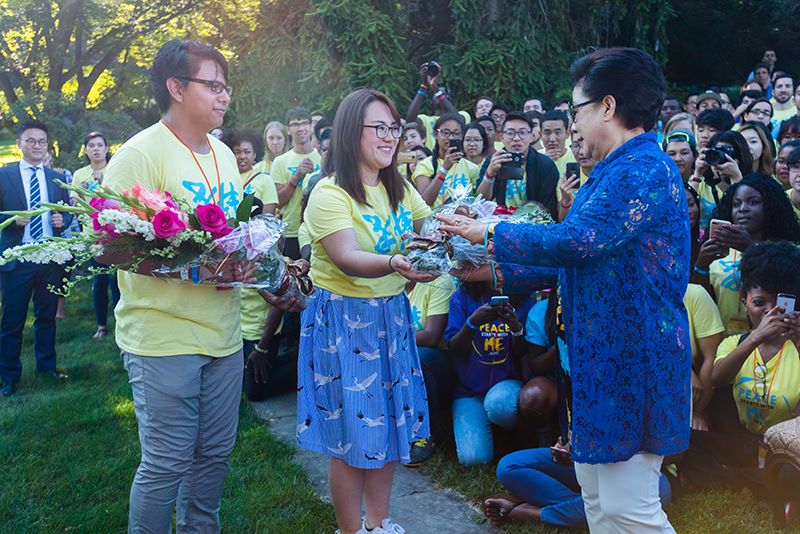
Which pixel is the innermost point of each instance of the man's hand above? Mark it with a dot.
(497, 159)
(22, 223)
(306, 166)
(259, 361)
(56, 220)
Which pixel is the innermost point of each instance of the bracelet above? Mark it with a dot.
(441, 174)
(470, 325)
(421, 92)
(565, 206)
(518, 333)
(440, 94)
(488, 176)
(196, 275)
(488, 235)
(423, 87)
(698, 270)
(696, 179)
(391, 268)
(259, 349)
(292, 185)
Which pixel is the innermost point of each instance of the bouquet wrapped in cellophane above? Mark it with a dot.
(150, 227)
(437, 252)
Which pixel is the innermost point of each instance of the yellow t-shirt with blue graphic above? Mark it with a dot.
(261, 185)
(463, 174)
(704, 317)
(707, 204)
(726, 279)
(283, 168)
(378, 230)
(772, 397)
(429, 299)
(157, 317)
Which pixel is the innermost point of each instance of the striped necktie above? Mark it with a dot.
(36, 198)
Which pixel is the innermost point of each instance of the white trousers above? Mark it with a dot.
(623, 497)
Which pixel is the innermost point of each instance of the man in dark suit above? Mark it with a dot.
(23, 186)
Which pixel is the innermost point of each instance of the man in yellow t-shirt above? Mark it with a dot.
(782, 101)
(289, 171)
(181, 343)
(555, 131)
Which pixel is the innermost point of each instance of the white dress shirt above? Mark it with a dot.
(26, 170)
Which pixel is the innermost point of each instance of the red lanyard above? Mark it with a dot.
(216, 165)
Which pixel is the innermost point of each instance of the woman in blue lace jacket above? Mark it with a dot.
(622, 257)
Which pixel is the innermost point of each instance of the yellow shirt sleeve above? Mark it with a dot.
(264, 189)
(328, 211)
(726, 347)
(703, 313)
(423, 168)
(419, 208)
(442, 290)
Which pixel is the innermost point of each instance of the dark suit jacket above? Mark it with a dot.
(12, 198)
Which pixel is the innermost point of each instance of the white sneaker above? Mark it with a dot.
(389, 527)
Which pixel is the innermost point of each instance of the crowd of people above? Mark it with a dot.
(534, 367)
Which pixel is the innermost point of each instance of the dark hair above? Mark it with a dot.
(484, 97)
(558, 101)
(780, 221)
(782, 74)
(690, 95)
(180, 59)
(718, 118)
(500, 106)
(539, 98)
(484, 118)
(95, 135)
(760, 66)
(773, 266)
(249, 136)
(441, 120)
(741, 149)
(297, 113)
(789, 126)
(32, 124)
(672, 97)
(631, 76)
(555, 115)
(474, 125)
(752, 104)
(418, 126)
(519, 116)
(751, 93)
(766, 140)
(325, 135)
(425, 150)
(794, 156)
(319, 112)
(345, 152)
(534, 115)
(695, 232)
(323, 123)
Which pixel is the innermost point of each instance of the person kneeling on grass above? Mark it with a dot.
(486, 342)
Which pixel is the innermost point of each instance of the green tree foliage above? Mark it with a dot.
(312, 52)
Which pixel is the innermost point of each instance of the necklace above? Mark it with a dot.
(216, 165)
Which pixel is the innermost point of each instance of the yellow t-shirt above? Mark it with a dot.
(261, 185)
(157, 317)
(283, 168)
(704, 318)
(254, 311)
(561, 163)
(429, 120)
(707, 204)
(726, 279)
(378, 230)
(303, 237)
(432, 298)
(778, 116)
(796, 209)
(263, 166)
(463, 174)
(84, 177)
(757, 410)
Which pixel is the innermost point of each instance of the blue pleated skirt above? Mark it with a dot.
(361, 396)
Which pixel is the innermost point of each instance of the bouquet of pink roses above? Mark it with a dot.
(200, 243)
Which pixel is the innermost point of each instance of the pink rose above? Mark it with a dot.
(212, 219)
(168, 223)
(101, 204)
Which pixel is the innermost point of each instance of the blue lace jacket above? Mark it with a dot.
(622, 259)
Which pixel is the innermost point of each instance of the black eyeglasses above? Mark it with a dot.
(382, 131)
(215, 86)
(573, 108)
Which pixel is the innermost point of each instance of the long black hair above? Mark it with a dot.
(780, 221)
(441, 120)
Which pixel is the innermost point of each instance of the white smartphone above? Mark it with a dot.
(715, 225)
(786, 302)
(498, 300)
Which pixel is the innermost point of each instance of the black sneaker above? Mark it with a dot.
(421, 450)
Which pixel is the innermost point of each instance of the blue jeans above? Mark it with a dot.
(473, 418)
(533, 476)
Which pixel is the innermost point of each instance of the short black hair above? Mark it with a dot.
(475, 125)
(672, 97)
(789, 126)
(249, 136)
(555, 115)
(751, 93)
(783, 74)
(718, 118)
(559, 101)
(500, 106)
(322, 124)
(773, 266)
(419, 127)
(539, 98)
(518, 116)
(780, 221)
(535, 115)
(32, 124)
(297, 113)
(794, 156)
(180, 59)
(320, 113)
(325, 135)
(760, 66)
(631, 76)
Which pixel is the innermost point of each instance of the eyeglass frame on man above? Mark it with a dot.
(211, 84)
(510, 135)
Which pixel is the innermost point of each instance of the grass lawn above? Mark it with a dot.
(70, 450)
(710, 512)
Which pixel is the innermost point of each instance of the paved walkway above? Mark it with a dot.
(416, 504)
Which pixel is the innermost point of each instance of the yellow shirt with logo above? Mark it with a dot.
(780, 115)
(561, 163)
(704, 318)
(462, 175)
(429, 299)
(261, 185)
(283, 168)
(85, 176)
(378, 230)
(726, 279)
(773, 397)
(157, 317)
(707, 204)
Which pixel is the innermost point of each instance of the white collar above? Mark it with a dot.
(25, 164)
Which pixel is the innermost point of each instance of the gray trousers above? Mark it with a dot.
(187, 408)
